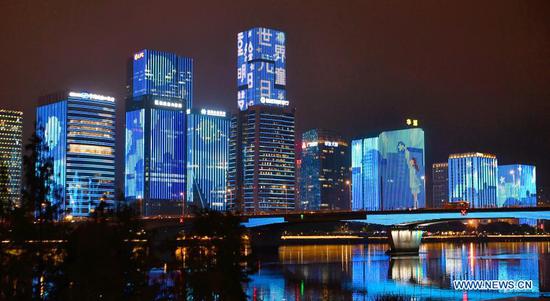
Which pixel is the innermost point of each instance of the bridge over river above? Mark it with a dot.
(406, 225)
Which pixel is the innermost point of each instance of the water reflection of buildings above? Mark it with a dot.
(318, 272)
(544, 267)
(365, 272)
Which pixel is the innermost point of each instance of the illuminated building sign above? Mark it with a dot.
(216, 113)
(85, 95)
(139, 55)
(316, 143)
(163, 103)
(311, 144)
(412, 122)
(269, 101)
(331, 143)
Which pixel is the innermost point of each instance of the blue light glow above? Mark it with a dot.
(162, 74)
(261, 67)
(473, 178)
(134, 187)
(80, 133)
(388, 171)
(517, 185)
(207, 158)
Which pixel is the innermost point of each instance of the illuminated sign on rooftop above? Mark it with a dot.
(163, 103)
(137, 56)
(91, 96)
(216, 113)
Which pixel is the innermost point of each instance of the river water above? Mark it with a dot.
(365, 272)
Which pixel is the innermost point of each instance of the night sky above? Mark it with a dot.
(476, 75)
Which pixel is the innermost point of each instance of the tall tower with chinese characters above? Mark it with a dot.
(159, 91)
(261, 175)
(261, 68)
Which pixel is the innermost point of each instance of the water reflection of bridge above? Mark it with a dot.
(362, 272)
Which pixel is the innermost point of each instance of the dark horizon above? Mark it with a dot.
(475, 74)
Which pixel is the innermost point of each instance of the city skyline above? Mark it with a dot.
(500, 83)
(275, 150)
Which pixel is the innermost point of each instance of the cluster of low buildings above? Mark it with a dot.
(177, 155)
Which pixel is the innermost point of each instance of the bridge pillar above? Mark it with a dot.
(405, 240)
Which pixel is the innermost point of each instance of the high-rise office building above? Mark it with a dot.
(473, 178)
(261, 173)
(440, 184)
(11, 144)
(79, 131)
(159, 91)
(262, 157)
(324, 179)
(517, 186)
(388, 171)
(207, 158)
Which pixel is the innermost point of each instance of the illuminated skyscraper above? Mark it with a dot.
(11, 143)
(79, 131)
(517, 185)
(207, 158)
(159, 91)
(440, 182)
(473, 178)
(388, 171)
(324, 176)
(261, 68)
(262, 157)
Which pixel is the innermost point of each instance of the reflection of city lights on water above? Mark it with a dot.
(471, 257)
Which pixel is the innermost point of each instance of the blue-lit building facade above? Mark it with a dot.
(261, 67)
(161, 74)
(207, 158)
(261, 175)
(517, 185)
(159, 92)
(473, 178)
(324, 178)
(79, 131)
(388, 171)
(365, 174)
